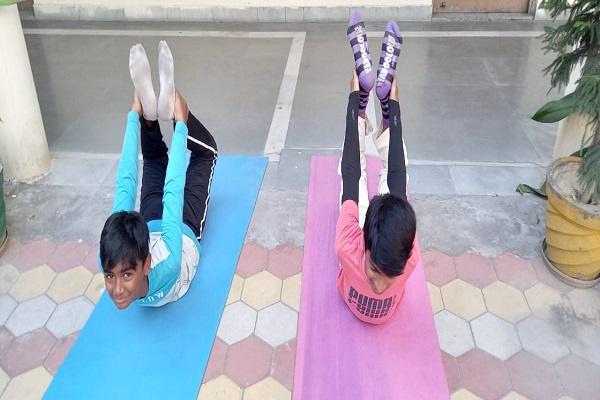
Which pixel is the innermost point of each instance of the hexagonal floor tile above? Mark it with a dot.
(32, 283)
(248, 361)
(435, 296)
(452, 372)
(7, 306)
(69, 284)
(11, 251)
(484, 375)
(8, 276)
(268, 388)
(91, 261)
(475, 269)
(533, 377)
(496, 336)
(277, 324)
(548, 303)
(505, 301)
(290, 291)
(586, 304)
(439, 268)
(28, 386)
(96, 288)
(235, 292)
(59, 352)
(578, 377)
(261, 290)
(237, 322)
(35, 253)
(464, 394)
(216, 362)
(69, 255)
(542, 339)
(4, 379)
(454, 333)
(515, 271)
(27, 351)
(220, 388)
(546, 277)
(6, 339)
(514, 396)
(583, 340)
(284, 261)
(30, 315)
(253, 259)
(282, 366)
(70, 317)
(463, 299)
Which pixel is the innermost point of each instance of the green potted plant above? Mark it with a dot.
(572, 244)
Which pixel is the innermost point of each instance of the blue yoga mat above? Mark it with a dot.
(161, 353)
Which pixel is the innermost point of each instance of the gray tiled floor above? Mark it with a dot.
(85, 91)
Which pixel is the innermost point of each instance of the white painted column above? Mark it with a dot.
(23, 146)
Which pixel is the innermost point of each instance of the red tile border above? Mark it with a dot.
(282, 366)
(248, 361)
(452, 372)
(59, 352)
(11, 252)
(475, 269)
(216, 362)
(545, 276)
(579, 378)
(6, 339)
(27, 351)
(533, 377)
(34, 254)
(68, 255)
(484, 375)
(439, 268)
(515, 271)
(284, 261)
(252, 260)
(91, 260)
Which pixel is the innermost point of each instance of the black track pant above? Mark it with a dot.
(396, 177)
(198, 176)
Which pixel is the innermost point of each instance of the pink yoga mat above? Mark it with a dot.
(340, 357)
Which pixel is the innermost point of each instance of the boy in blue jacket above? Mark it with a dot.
(151, 257)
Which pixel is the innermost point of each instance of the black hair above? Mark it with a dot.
(389, 231)
(124, 238)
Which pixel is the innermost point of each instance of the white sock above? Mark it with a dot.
(166, 72)
(139, 68)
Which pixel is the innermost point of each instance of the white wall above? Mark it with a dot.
(233, 10)
(242, 3)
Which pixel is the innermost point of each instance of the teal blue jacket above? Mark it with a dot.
(173, 246)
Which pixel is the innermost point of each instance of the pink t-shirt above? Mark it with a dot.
(352, 281)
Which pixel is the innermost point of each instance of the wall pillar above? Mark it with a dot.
(23, 146)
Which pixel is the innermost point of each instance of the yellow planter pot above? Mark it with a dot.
(573, 228)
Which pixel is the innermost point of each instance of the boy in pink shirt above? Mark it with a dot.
(374, 241)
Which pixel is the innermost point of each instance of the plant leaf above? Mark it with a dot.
(555, 110)
(8, 2)
(540, 192)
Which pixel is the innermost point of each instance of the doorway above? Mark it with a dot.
(485, 6)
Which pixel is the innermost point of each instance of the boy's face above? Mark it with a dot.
(378, 280)
(125, 284)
